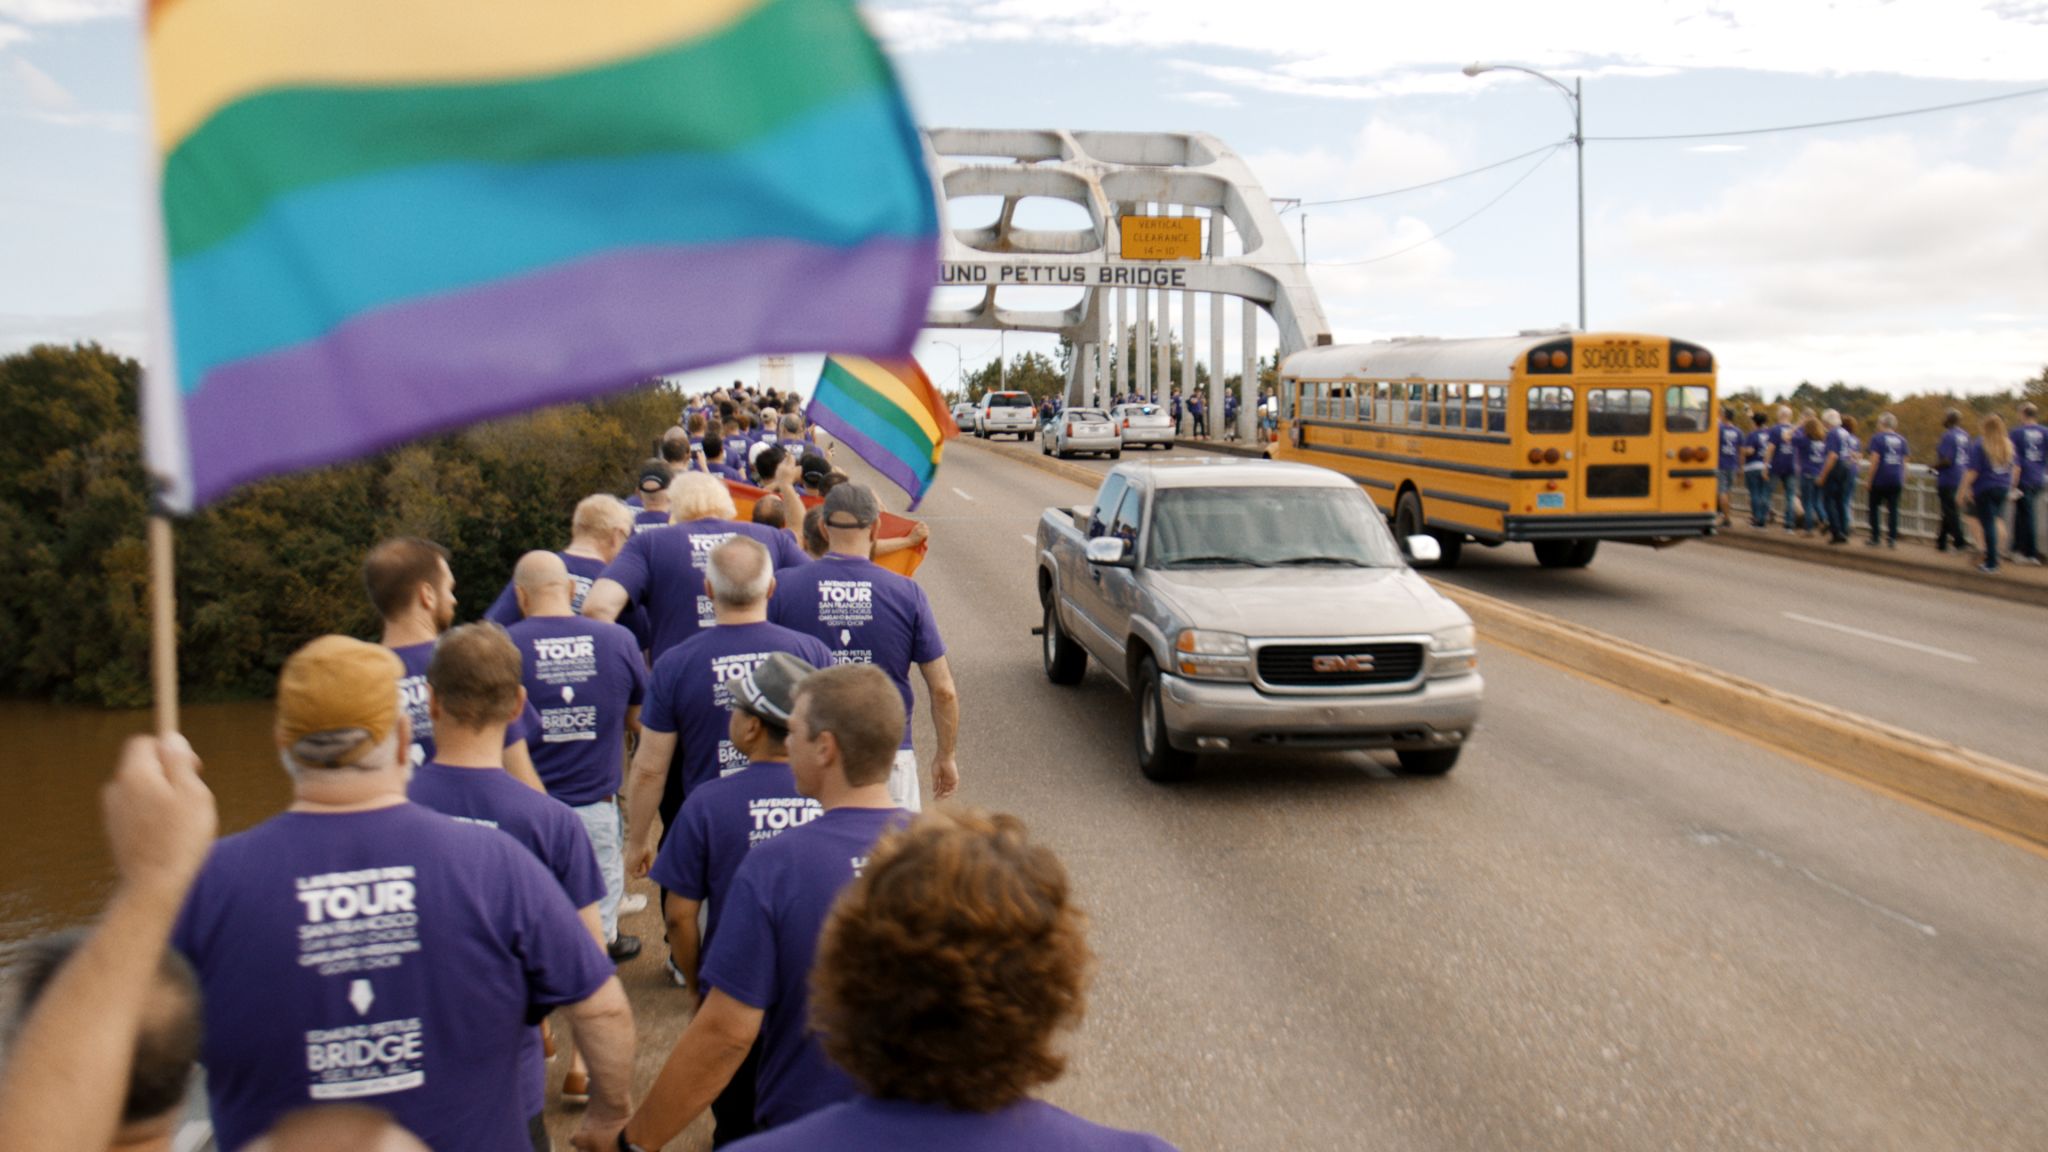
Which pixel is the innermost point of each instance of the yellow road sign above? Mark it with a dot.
(1161, 237)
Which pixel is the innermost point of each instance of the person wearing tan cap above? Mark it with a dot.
(361, 948)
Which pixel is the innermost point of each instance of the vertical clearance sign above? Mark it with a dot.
(1161, 237)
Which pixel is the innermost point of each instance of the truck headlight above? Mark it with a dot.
(1453, 651)
(1205, 655)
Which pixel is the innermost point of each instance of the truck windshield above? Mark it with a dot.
(1269, 527)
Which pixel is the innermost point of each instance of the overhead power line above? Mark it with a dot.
(1425, 184)
(1548, 152)
(1824, 123)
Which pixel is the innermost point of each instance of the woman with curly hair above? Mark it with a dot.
(945, 979)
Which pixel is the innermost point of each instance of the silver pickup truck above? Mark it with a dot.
(1255, 606)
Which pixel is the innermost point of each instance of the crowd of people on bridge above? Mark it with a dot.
(1801, 472)
(426, 940)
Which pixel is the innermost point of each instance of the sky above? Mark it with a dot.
(1907, 254)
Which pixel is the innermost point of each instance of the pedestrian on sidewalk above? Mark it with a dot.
(1988, 473)
(1949, 461)
(2030, 450)
(1729, 466)
(1810, 445)
(1784, 462)
(1199, 409)
(1756, 470)
(1888, 455)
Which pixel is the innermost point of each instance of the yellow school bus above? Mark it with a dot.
(1561, 439)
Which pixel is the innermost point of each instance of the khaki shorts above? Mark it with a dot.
(903, 784)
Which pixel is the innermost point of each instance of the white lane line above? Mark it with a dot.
(1944, 653)
(962, 493)
(1029, 539)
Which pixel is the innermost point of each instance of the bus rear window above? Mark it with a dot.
(1685, 408)
(1617, 412)
(1550, 410)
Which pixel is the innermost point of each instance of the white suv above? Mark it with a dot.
(1006, 413)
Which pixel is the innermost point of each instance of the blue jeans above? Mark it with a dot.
(1990, 506)
(1809, 504)
(1790, 483)
(2024, 542)
(1841, 489)
(601, 821)
(1759, 483)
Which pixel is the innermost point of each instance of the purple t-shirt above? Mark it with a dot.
(544, 827)
(1891, 453)
(644, 520)
(1812, 453)
(1989, 479)
(721, 469)
(394, 958)
(412, 690)
(2030, 449)
(1951, 457)
(689, 695)
(767, 939)
(865, 613)
(1731, 447)
(719, 824)
(663, 570)
(1758, 442)
(1785, 452)
(581, 675)
(583, 572)
(905, 1126)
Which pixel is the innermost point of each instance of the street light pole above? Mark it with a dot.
(959, 373)
(1573, 96)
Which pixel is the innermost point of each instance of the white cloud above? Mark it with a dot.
(1206, 99)
(11, 34)
(1360, 50)
(38, 87)
(65, 11)
(123, 331)
(1716, 149)
(1866, 259)
(29, 93)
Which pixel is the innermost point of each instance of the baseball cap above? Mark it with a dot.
(654, 474)
(769, 691)
(851, 506)
(341, 689)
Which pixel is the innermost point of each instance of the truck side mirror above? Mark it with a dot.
(1108, 551)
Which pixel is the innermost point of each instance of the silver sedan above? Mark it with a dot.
(1080, 430)
(1146, 424)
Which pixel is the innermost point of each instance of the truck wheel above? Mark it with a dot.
(1408, 522)
(1451, 545)
(1065, 661)
(1566, 553)
(1117, 455)
(1426, 761)
(1158, 759)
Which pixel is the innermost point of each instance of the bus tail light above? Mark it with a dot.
(1550, 456)
(1535, 455)
(1690, 358)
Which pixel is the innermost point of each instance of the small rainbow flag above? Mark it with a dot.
(383, 218)
(890, 415)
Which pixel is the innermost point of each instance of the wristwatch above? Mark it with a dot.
(626, 1145)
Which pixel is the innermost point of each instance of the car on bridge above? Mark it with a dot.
(1254, 606)
(1073, 430)
(1006, 414)
(1143, 425)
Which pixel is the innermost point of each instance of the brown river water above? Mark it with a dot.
(54, 867)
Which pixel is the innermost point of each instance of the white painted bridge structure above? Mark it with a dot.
(1111, 175)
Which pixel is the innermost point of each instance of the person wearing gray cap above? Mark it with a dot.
(655, 475)
(718, 825)
(869, 615)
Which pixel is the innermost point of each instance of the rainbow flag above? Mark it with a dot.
(890, 415)
(384, 218)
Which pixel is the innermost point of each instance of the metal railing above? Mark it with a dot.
(1919, 507)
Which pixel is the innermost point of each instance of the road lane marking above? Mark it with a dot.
(962, 493)
(1881, 638)
(1029, 539)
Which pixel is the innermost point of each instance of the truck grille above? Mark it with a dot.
(1338, 665)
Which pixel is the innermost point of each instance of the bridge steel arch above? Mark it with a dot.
(1109, 175)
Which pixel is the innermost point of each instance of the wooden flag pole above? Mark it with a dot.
(163, 625)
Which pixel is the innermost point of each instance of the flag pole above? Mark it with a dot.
(163, 624)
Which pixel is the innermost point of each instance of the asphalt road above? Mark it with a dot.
(1610, 928)
(1935, 661)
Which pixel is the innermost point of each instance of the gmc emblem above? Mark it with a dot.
(1341, 663)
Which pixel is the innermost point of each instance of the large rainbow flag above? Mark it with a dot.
(890, 415)
(383, 218)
